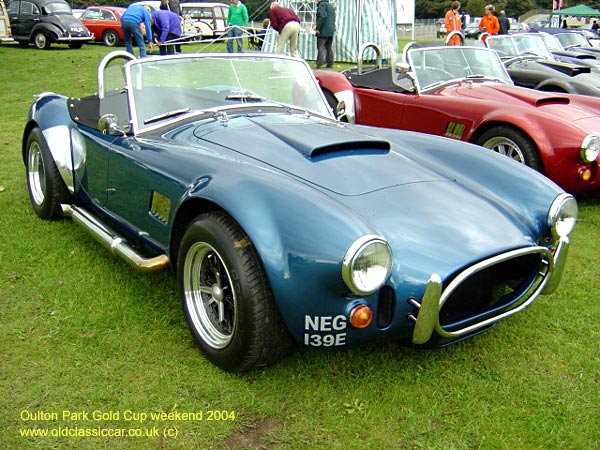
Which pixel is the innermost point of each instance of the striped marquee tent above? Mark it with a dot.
(357, 22)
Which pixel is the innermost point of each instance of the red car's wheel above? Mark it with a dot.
(110, 38)
(512, 143)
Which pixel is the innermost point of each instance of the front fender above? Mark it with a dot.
(300, 233)
(340, 87)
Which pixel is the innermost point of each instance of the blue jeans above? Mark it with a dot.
(132, 31)
(234, 33)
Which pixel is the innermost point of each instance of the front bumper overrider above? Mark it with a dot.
(435, 296)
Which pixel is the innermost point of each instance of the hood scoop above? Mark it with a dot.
(325, 140)
(567, 69)
(533, 97)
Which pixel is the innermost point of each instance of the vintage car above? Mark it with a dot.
(472, 31)
(104, 22)
(283, 223)
(578, 42)
(570, 55)
(5, 32)
(44, 22)
(203, 20)
(465, 93)
(530, 64)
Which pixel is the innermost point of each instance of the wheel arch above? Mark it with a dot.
(186, 213)
(487, 126)
(119, 33)
(51, 30)
(288, 223)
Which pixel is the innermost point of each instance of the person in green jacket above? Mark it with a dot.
(237, 19)
(325, 29)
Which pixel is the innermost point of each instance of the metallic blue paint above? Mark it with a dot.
(442, 205)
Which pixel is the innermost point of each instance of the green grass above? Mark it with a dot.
(81, 331)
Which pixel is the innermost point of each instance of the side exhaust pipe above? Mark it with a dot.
(113, 242)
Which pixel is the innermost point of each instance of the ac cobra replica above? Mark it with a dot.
(531, 64)
(466, 93)
(284, 224)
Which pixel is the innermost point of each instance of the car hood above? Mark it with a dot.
(320, 152)
(440, 203)
(505, 95)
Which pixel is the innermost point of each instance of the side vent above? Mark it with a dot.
(160, 207)
(385, 307)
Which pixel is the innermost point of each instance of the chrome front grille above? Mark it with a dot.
(492, 289)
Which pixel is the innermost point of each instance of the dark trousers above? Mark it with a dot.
(169, 49)
(324, 51)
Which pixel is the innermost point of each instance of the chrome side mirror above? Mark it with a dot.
(108, 124)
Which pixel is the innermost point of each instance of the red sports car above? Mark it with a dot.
(465, 93)
(105, 23)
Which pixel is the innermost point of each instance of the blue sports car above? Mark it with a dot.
(283, 224)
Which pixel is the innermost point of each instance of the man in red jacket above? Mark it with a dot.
(287, 24)
(453, 22)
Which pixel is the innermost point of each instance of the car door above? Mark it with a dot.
(379, 108)
(139, 191)
(13, 17)
(27, 14)
(220, 19)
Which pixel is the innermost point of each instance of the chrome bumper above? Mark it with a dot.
(427, 320)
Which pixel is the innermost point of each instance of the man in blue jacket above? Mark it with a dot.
(325, 30)
(131, 21)
(167, 26)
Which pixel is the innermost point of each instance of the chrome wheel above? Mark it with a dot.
(111, 38)
(506, 147)
(209, 295)
(36, 174)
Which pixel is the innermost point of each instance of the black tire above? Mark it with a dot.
(226, 296)
(47, 191)
(41, 40)
(110, 38)
(514, 144)
(76, 45)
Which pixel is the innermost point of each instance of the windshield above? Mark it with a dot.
(162, 88)
(573, 39)
(57, 8)
(510, 46)
(552, 42)
(438, 65)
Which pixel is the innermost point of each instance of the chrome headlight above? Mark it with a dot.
(367, 264)
(589, 148)
(562, 215)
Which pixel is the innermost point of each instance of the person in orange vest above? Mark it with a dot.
(453, 22)
(489, 23)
